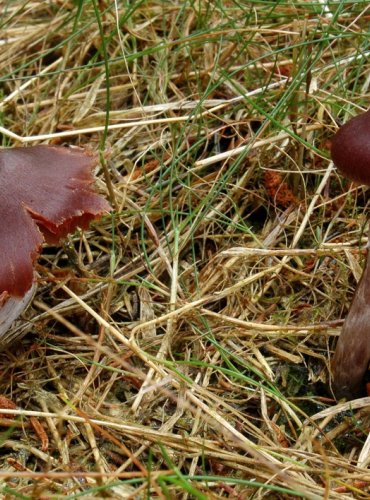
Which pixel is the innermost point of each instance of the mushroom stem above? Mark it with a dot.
(352, 354)
(10, 310)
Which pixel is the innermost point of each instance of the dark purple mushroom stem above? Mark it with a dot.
(352, 353)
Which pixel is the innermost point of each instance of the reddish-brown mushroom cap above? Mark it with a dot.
(45, 192)
(350, 152)
(350, 149)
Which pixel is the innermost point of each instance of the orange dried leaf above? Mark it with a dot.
(40, 431)
(279, 191)
(7, 404)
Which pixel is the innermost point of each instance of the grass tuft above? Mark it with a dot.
(180, 348)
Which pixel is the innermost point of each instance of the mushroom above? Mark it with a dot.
(350, 152)
(45, 192)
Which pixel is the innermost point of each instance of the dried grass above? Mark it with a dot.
(180, 348)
